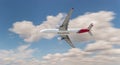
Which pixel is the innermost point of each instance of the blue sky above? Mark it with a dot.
(36, 11)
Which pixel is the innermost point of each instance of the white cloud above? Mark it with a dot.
(30, 33)
(111, 51)
(18, 56)
(78, 57)
(98, 46)
(23, 55)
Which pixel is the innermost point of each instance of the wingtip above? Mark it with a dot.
(72, 8)
(92, 24)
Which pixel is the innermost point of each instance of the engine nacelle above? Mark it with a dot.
(59, 38)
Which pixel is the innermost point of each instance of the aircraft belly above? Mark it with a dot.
(63, 32)
(50, 31)
(69, 31)
(73, 30)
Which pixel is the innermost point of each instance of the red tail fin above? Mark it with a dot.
(86, 30)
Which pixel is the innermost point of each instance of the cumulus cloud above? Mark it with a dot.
(78, 57)
(18, 56)
(23, 55)
(30, 33)
(98, 46)
(112, 52)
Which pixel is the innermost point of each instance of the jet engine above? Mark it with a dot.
(60, 38)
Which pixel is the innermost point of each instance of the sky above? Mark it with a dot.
(21, 42)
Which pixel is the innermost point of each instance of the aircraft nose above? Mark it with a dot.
(42, 31)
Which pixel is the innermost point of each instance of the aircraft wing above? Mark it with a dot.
(67, 39)
(64, 25)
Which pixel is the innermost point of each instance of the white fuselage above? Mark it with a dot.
(57, 31)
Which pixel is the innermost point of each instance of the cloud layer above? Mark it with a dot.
(18, 56)
(78, 57)
(23, 55)
(100, 52)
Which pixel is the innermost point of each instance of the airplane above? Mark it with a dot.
(64, 32)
